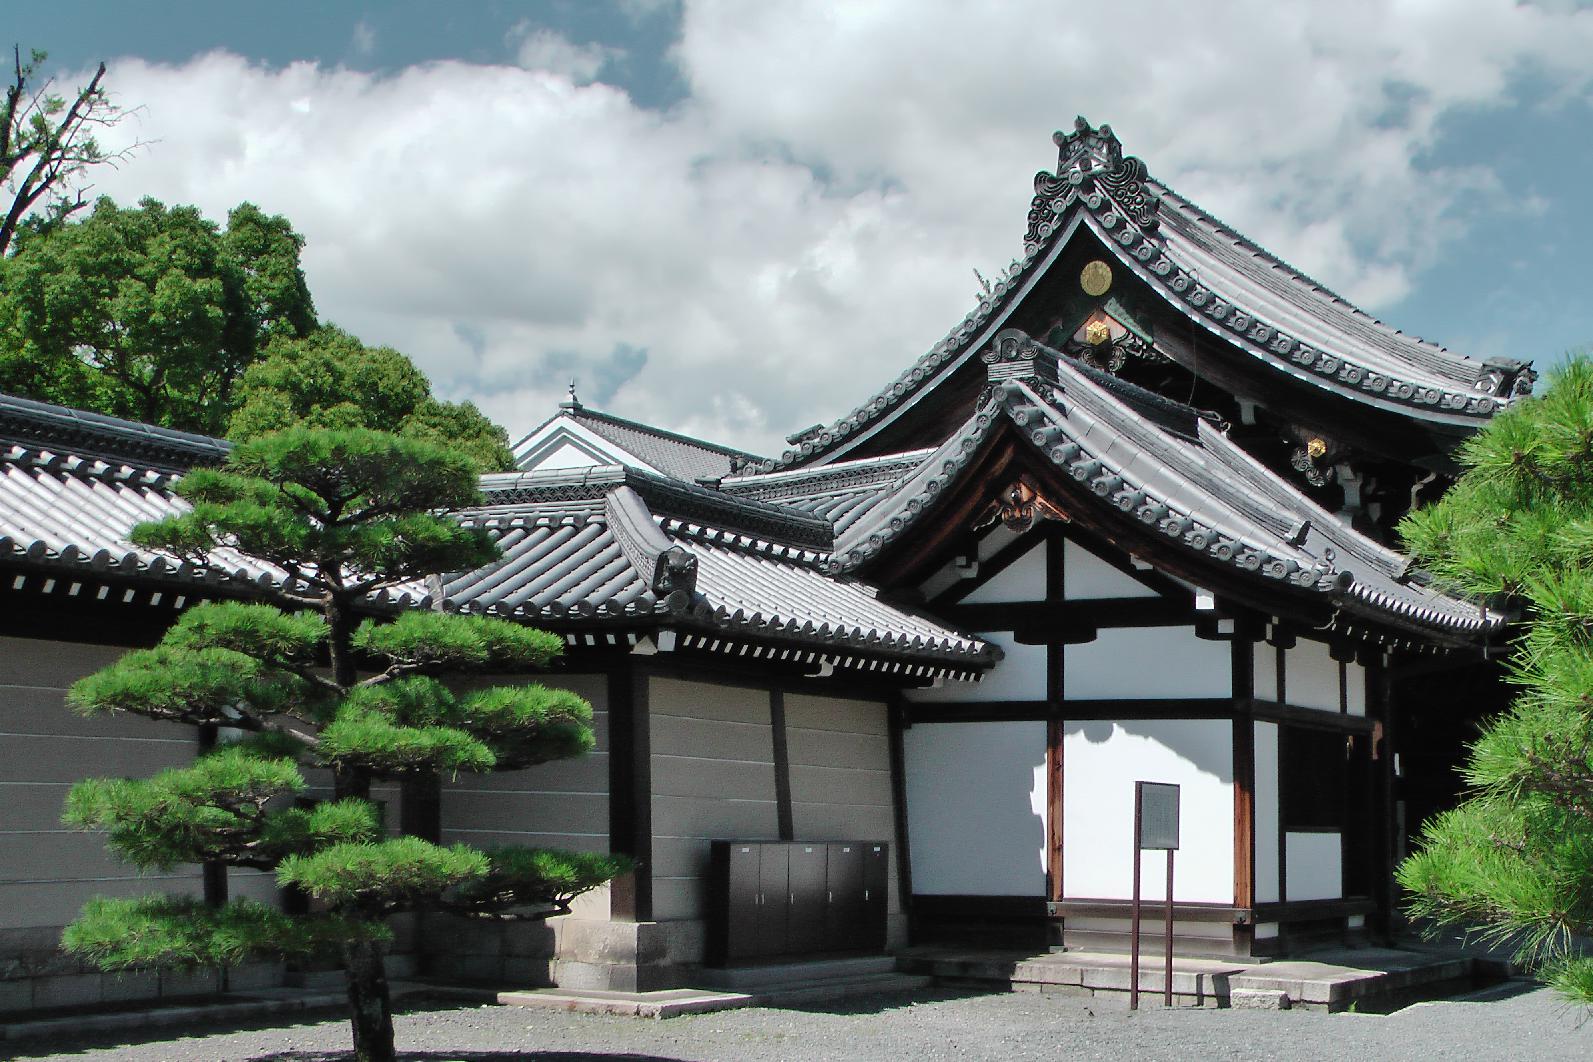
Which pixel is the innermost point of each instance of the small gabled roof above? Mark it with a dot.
(1202, 496)
(620, 546)
(605, 438)
(1290, 326)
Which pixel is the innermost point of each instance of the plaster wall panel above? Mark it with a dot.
(1311, 676)
(1102, 759)
(1086, 576)
(840, 759)
(976, 808)
(1022, 580)
(713, 777)
(563, 804)
(1266, 813)
(1315, 866)
(1355, 688)
(1020, 676)
(1135, 663)
(47, 871)
(1264, 672)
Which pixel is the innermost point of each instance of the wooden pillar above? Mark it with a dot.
(896, 713)
(630, 806)
(782, 767)
(1055, 731)
(1244, 793)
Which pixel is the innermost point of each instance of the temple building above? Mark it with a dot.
(1131, 519)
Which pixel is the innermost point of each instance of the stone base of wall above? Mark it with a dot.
(576, 953)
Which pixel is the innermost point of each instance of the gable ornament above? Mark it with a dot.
(1019, 506)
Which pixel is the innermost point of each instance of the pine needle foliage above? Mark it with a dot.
(318, 672)
(1514, 862)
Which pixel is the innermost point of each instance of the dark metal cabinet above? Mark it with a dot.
(785, 899)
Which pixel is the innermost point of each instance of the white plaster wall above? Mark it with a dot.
(1086, 576)
(1022, 580)
(976, 808)
(1266, 813)
(1127, 663)
(1101, 761)
(1264, 672)
(566, 456)
(1020, 676)
(1311, 676)
(1315, 865)
(1355, 687)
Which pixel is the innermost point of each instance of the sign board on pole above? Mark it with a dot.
(1158, 821)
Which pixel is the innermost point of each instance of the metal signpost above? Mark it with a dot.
(1155, 826)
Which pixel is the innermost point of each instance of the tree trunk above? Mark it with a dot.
(370, 1011)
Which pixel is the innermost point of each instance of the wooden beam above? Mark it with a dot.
(630, 806)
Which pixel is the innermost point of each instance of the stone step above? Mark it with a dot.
(1150, 943)
(663, 1004)
(834, 989)
(772, 975)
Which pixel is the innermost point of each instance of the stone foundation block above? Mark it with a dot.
(1258, 999)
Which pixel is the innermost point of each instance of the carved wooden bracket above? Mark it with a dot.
(1018, 506)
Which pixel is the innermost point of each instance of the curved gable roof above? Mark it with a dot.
(1289, 324)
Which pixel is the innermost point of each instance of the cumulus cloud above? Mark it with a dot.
(543, 49)
(765, 252)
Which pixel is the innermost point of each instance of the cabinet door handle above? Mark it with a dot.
(793, 899)
(829, 897)
(865, 895)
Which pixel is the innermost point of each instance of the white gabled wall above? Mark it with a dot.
(1101, 761)
(976, 808)
(1134, 663)
(1086, 576)
(1022, 580)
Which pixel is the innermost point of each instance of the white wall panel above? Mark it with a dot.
(1315, 866)
(1266, 813)
(1086, 576)
(1311, 676)
(1127, 663)
(1020, 676)
(1355, 687)
(1022, 580)
(976, 805)
(1264, 668)
(1101, 761)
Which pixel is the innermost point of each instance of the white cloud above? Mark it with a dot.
(803, 225)
(551, 52)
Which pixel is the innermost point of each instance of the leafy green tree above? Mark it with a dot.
(1515, 859)
(149, 312)
(47, 143)
(319, 674)
(330, 379)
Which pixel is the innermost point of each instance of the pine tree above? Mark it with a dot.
(320, 674)
(1515, 859)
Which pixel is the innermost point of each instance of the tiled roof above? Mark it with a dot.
(1288, 323)
(583, 548)
(109, 439)
(587, 545)
(1204, 495)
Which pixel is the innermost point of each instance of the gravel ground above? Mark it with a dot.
(1518, 1023)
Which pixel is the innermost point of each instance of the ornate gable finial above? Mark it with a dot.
(1087, 149)
(572, 402)
(1092, 169)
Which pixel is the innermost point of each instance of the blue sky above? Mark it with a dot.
(737, 219)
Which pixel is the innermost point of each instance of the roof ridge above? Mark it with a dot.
(54, 427)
